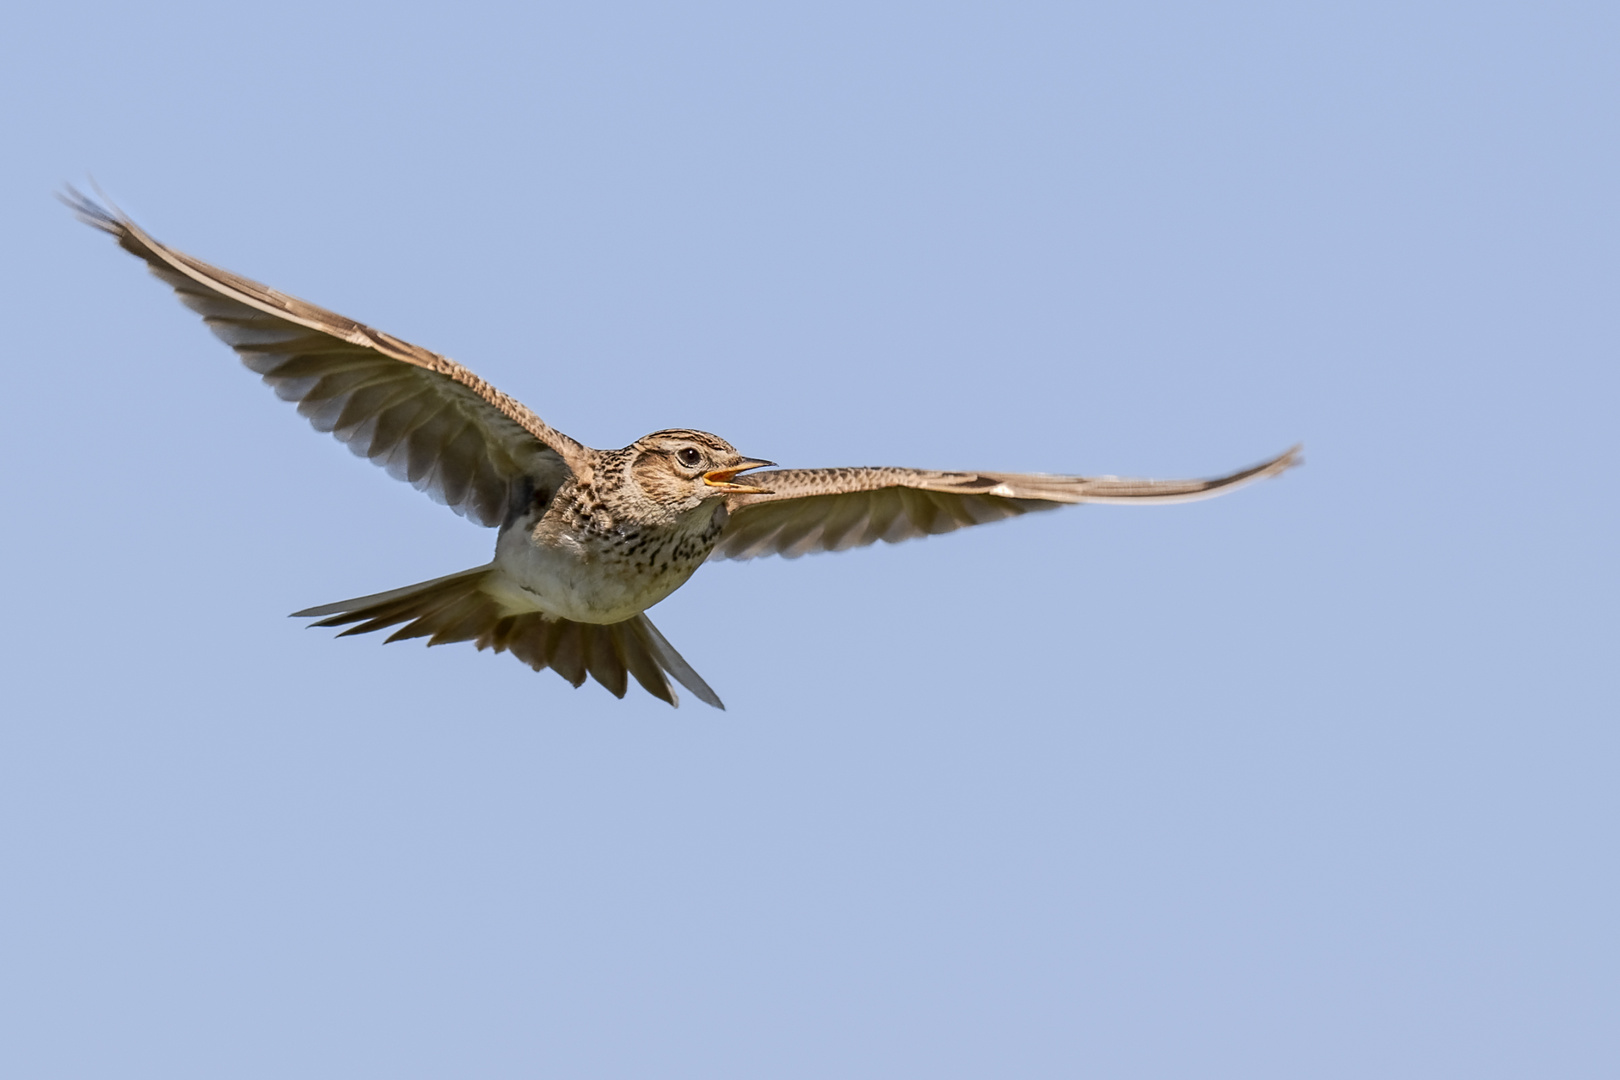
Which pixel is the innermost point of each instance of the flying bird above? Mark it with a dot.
(587, 539)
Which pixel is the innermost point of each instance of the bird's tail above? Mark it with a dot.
(458, 608)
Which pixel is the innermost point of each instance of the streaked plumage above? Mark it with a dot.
(589, 539)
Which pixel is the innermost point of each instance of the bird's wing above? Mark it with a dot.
(833, 509)
(422, 416)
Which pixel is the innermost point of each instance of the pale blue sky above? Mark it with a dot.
(1313, 781)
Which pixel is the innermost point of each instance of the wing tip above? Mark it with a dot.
(1110, 489)
(103, 214)
(1290, 458)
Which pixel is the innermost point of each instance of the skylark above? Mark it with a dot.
(588, 539)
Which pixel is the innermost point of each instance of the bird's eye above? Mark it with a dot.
(689, 457)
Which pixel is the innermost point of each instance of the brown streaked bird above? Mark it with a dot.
(588, 539)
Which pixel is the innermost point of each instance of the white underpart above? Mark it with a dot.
(570, 581)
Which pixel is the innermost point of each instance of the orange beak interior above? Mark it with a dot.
(722, 478)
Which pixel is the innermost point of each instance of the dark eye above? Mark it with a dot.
(689, 457)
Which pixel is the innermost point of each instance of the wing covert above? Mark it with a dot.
(423, 417)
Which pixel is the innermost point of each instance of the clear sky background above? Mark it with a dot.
(1317, 780)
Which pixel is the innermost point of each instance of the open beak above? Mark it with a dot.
(721, 478)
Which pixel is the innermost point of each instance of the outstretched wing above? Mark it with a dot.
(422, 416)
(834, 509)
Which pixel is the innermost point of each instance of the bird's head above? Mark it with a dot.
(681, 466)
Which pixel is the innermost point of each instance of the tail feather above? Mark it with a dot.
(567, 651)
(456, 608)
(604, 662)
(643, 663)
(499, 637)
(672, 662)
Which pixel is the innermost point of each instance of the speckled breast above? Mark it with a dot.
(601, 576)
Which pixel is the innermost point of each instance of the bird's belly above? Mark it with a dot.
(575, 582)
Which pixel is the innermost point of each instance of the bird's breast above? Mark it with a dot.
(599, 576)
